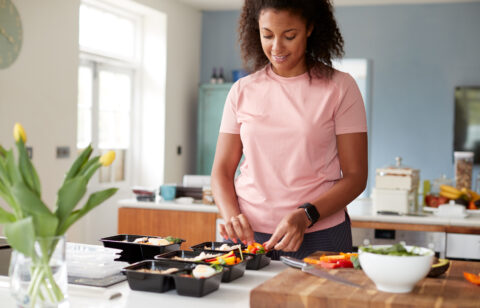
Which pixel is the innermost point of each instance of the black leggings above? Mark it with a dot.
(337, 238)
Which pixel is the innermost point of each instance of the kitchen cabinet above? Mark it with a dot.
(210, 109)
(194, 226)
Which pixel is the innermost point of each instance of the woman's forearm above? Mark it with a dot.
(225, 196)
(341, 194)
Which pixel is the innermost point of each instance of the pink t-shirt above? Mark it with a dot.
(288, 128)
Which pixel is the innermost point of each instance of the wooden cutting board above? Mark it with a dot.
(294, 288)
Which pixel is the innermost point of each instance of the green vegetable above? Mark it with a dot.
(174, 240)
(394, 250)
(355, 262)
(217, 267)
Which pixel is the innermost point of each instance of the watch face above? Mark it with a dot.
(10, 33)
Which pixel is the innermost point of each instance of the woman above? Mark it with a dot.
(301, 127)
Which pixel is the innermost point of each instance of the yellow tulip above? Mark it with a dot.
(107, 158)
(19, 132)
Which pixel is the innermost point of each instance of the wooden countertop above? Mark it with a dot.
(294, 288)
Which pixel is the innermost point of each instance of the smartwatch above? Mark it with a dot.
(312, 213)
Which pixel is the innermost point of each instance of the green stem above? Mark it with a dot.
(43, 285)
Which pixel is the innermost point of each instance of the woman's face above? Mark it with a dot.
(284, 39)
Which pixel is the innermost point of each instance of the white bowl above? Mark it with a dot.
(396, 274)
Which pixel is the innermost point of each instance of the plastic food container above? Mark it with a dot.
(197, 287)
(153, 282)
(91, 261)
(463, 169)
(230, 272)
(134, 252)
(255, 262)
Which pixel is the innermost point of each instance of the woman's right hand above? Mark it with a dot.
(237, 227)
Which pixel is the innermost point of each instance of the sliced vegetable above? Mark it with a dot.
(475, 279)
(343, 260)
(255, 248)
(355, 262)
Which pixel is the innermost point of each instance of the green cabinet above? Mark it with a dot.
(210, 109)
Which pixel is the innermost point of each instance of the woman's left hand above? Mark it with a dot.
(288, 235)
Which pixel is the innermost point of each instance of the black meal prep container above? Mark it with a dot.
(256, 261)
(153, 282)
(197, 287)
(134, 252)
(230, 272)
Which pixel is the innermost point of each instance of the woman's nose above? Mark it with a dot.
(277, 45)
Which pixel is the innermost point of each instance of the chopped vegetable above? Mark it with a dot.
(355, 262)
(226, 259)
(255, 248)
(333, 261)
(174, 240)
(475, 279)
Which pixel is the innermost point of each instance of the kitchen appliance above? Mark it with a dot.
(433, 240)
(310, 269)
(396, 188)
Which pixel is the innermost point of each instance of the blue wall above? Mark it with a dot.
(418, 54)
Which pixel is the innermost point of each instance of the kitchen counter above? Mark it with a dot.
(359, 210)
(232, 294)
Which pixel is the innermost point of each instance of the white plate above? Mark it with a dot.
(434, 209)
(184, 200)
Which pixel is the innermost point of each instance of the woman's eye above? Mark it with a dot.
(267, 37)
(290, 37)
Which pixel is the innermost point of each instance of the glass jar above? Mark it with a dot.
(40, 279)
(442, 180)
(463, 169)
(207, 195)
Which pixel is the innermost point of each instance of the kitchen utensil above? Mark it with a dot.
(307, 268)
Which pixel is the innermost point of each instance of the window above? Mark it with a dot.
(106, 77)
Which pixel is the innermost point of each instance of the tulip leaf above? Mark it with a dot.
(45, 221)
(3, 152)
(13, 174)
(6, 217)
(93, 201)
(45, 224)
(88, 164)
(29, 201)
(29, 174)
(21, 235)
(69, 195)
(81, 160)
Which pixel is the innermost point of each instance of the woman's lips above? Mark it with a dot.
(279, 59)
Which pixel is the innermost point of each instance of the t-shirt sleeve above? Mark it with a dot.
(350, 115)
(229, 122)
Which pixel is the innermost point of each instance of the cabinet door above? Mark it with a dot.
(210, 109)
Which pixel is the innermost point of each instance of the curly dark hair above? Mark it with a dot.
(324, 44)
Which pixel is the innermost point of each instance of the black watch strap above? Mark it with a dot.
(311, 212)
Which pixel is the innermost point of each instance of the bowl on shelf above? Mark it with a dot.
(395, 273)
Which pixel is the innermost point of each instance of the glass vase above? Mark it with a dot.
(40, 280)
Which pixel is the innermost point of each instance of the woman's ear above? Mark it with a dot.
(309, 30)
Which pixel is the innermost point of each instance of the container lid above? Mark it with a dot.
(397, 169)
(461, 154)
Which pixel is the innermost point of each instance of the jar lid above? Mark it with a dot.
(397, 169)
(462, 154)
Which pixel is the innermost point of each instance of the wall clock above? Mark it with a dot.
(11, 33)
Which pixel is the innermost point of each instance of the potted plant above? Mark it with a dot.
(34, 231)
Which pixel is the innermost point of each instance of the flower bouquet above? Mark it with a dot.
(35, 232)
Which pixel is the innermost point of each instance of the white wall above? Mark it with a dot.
(40, 88)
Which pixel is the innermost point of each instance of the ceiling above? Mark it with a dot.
(224, 5)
